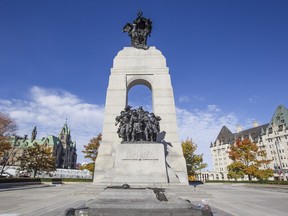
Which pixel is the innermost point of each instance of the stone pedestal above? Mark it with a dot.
(133, 67)
(140, 163)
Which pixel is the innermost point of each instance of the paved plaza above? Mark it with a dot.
(40, 200)
(244, 200)
(225, 200)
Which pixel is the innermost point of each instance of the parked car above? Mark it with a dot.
(24, 174)
(6, 175)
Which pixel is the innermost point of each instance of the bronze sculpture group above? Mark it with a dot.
(137, 125)
(139, 30)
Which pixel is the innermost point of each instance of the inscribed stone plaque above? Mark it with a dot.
(140, 163)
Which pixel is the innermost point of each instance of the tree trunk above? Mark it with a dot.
(2, 170)
(3, 166)
(249, 177)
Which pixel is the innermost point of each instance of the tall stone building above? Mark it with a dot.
(271, 137)
(64, 149)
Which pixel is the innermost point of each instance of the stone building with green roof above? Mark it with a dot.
(64, 149)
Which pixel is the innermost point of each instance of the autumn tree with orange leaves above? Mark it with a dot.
(249, 160)
(37, 159)
(194, 162)
(91, 152)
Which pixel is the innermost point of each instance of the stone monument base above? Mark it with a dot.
(140, 164)
(126, 201)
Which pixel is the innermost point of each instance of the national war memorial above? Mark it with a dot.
(140, 167)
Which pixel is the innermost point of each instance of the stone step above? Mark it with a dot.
(139, 212)
(183, 192)
(91, 191)
(142, 201)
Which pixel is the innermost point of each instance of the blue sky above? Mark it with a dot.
(228, 61)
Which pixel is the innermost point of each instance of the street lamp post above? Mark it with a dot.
(281, 168)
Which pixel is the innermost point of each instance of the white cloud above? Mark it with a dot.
(253, 99)
(198, 98)
(184, 98)
(203, 127)
(48, 109)
(191, 98)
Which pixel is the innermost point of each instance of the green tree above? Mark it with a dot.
(91, 152)
(7, 151)
(88, 166)
(235, 170)
(194, 162)
(248, 159)
(37, 159)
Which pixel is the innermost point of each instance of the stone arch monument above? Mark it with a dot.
(140, 163)
(132, 67)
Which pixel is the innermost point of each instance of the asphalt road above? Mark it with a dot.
(225, 200)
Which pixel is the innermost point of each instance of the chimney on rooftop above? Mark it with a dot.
(238, 128)
(255, 124)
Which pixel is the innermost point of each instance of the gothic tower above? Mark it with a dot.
(64, 136)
